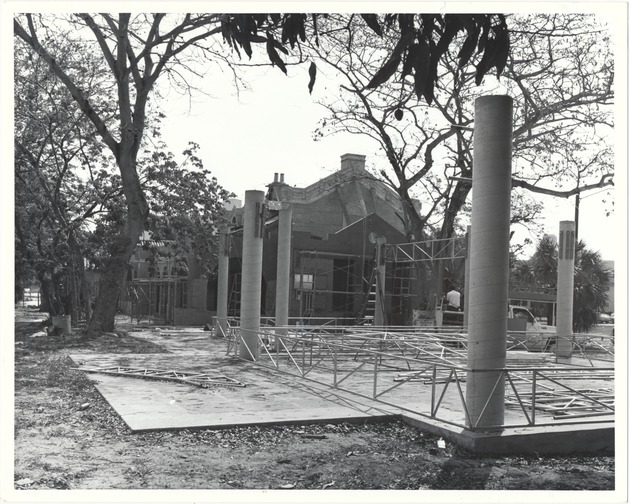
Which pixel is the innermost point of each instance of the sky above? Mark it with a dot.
(244, 139)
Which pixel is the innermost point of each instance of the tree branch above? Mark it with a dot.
(76, 93)
(606, 180)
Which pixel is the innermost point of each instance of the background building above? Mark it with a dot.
(335, 226)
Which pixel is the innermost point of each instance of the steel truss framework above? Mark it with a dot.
(375, 363)
(203, 380)
(430, 250)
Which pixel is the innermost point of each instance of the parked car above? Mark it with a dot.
(604, 318)
(524, 331)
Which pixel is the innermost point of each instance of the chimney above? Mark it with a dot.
(352, 161)
(282, 178)
(275, 177)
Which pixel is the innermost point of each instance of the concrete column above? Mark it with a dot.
(283, 274)
(467, 278)
(251, 274)
(489, 254)
(222, 281)
(379, 301)
(564, 301)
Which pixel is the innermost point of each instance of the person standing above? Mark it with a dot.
(453, 298)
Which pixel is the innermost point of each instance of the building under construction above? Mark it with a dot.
(337, 223)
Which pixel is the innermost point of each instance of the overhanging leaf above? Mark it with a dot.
(422, 67)
(503, 49)
(385, 72)
(391, 65)
(312, 72)
(274, 57)
(468, 48)
(410, 57)
(372, 21)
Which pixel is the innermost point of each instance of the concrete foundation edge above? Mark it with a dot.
(561, 439)
(530, 440)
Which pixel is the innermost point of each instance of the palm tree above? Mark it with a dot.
(590, 292)
(591, 279)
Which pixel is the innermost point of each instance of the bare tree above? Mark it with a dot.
(560, 74)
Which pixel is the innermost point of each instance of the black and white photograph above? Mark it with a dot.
(315, 252)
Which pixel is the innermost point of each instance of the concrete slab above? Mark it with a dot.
(267, 398)
(272, 397)
(155, 405)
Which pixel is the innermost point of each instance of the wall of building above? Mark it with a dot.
(335, 222)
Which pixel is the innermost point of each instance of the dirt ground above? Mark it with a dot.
(68, 437)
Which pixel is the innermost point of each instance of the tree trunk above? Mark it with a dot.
(50, 302)
(414, 229)
(85, 292)
(117, 264)
(108, 292)
(455, 204)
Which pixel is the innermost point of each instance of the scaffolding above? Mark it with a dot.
(154, 300)
(347, 283)
(429, 250)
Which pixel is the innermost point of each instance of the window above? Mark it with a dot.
(306, 284)
(523, 314)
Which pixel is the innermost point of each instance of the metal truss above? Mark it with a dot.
(203, 380)
(375, 363)
(430, 250)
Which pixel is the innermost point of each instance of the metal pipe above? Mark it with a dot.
(489, 257)
(251, 275)
(535, 373)
(326, 254)
(379, 301)
(467, 278)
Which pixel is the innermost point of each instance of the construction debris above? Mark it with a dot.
(578, 403)
(288, 486)
(203, 380)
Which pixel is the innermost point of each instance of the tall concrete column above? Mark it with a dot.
(467, 278)
(251, 274)
(379, 300)
(564, 301)
(283, 274)
(222, 281)
(489, 255)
